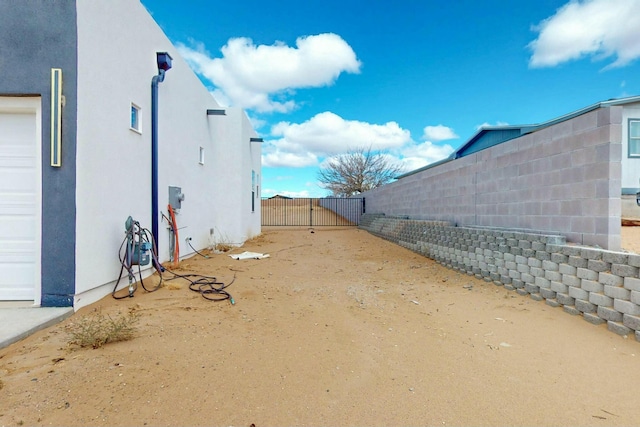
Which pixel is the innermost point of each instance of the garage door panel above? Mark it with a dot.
(23, 162)
(13, 144)
(15, 229)
(21, 125)
(16, 209)
(19, 203)
(21, 252)
(11, 149)
(15, 293)
(17, 281)
(17, 180)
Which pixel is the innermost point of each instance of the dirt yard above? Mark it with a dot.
(631, 239)
(336, 328)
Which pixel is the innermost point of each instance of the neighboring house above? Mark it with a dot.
(573, 175)
(630, 160)
(488, 136)
(76, 148)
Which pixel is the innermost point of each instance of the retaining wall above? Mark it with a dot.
(601, 286)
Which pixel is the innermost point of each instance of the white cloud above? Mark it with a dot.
(276, 156)
(624, 93)
(327, 134)
(256, 122)
(438, 133)
(311, 143)
(412, 163)
(222, 99)
(417, 156)
(597, 28)
(250, 76)
(486, 124)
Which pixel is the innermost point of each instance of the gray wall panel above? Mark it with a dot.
(35, 36)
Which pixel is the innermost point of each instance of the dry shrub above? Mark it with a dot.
(96, 330)
(223, 247)
(259, 239)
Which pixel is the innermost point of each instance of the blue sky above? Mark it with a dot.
(413, 79)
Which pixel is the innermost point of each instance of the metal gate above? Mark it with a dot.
(312, 212)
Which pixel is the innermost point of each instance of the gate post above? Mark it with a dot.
(310, 212)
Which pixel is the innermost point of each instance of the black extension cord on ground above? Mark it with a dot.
(207, 286)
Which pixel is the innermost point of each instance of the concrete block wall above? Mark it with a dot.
(565, 178)
(600, 285)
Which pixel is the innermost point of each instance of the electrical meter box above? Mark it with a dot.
(175, 197)
(141, 254)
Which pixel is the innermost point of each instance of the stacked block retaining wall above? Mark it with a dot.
(564, 178)
(601, 286)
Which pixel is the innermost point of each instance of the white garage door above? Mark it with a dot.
(19, 199)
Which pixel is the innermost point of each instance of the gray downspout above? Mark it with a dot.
(164, 63)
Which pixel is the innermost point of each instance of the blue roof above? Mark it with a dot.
(488, 136)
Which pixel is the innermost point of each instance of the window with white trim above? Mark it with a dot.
(634, 137)
(135, 118)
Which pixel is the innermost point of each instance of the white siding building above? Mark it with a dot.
(64, 215)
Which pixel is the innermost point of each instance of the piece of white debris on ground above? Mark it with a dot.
(249, 255)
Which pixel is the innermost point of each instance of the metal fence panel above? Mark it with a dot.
(312, 212)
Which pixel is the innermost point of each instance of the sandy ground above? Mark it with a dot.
(631, 239)
(336, 328)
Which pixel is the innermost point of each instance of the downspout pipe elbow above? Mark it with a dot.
(159, 77)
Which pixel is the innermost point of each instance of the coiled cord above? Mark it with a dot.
(207, 286)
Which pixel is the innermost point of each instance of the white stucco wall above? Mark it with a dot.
(117, 45)
(234, 156)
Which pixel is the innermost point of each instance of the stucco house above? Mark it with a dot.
(101, 119)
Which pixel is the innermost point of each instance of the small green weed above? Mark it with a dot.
(96, 330)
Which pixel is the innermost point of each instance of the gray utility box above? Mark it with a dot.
(176, 197)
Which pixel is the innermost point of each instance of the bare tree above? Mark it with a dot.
(357, 171)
